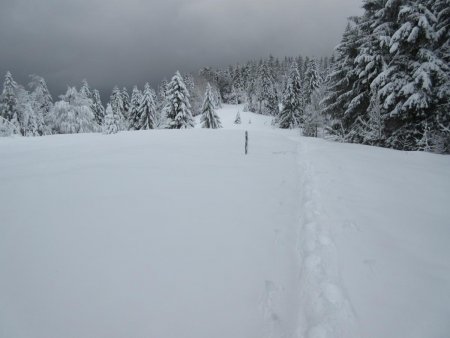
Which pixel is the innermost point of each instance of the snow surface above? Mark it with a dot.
(176, 233)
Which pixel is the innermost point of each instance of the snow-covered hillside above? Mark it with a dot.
(176, 233)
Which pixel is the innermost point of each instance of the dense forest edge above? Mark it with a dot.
(387, 84)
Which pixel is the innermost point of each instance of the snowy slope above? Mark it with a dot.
(174, 233)
(249, 121)
(388, 214)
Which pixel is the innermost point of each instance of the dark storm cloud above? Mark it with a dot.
(129, 42)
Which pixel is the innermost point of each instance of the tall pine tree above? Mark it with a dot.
(178, 107)
(42, 104)
(209, 117)
(97, 107)
(126, 103)
(8, 99)
(117, 106)
(112, 122)
(291, 114)
(312, 80)
(340, 89)
(135, 102)
(147, 109)
(267, 96)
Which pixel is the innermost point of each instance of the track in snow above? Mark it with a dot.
(179, 234)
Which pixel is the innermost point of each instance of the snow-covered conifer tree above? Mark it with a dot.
(112, 121)
(410, 85)
(162, 94)
(93, 97)
(126, 103)
(267, 96)
(234, 96)
(97, 107)
(8, 99)
(312, 80)
(375, 26)
(117, 106)
(189, 82)
(85, 90)
(209, 117)
(178, 108)
(217, 98)
(135, 102)
(340, 85)
(313, 118)
(147, 109)
(42, 104)
(291, 114)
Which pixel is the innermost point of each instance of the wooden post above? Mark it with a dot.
(246, 142)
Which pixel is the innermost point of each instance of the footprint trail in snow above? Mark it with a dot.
(324, 309)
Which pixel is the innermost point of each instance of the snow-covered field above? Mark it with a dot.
(179, 234)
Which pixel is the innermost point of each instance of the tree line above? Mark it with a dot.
(387, 84)
(34, 113)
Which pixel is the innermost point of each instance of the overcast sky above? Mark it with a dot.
(128, 42)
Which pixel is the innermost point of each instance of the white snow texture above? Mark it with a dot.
(177, 233)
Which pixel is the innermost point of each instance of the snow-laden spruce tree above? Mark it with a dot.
(209, 117)
(397, 52)
(8, 99)
(117, 105)
(375, 27)
(95, 104)
(233, 98)
(112, 121)
(42, 103)
(97, 107)
(189, 82)
(73, 114)
(313, 118)
(85, 90)
(312, 80)
(147, 109)
(217, 98)
(441, 9)
(416, 81)
(250, 93)
(162, 94)
(340, 88)
(178, 109)
(266, 93)
(126, 103)
(135, 102)
(291, 114)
